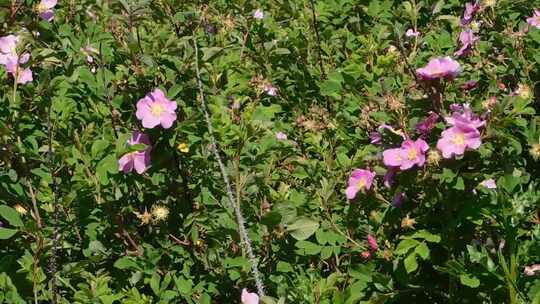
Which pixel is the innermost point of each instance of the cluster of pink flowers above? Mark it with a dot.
(152, 110)
(13, 61)
(463, 133)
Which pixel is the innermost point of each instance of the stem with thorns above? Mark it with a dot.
(228, 188)
(56, 213)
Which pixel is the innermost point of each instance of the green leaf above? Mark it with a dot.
(405, 245)
(11, 216)
(410, 263)
(125, 263)
(469, 280)
(426, 235)
(6, 233)
(303, 228)
(422, 250)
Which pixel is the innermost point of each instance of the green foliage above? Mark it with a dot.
(168, 236)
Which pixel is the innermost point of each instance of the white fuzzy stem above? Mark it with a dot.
(230, 195)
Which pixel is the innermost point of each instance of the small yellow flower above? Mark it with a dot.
(160, 213)
(20, 209)
(183, 147)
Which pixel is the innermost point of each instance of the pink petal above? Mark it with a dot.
(125, 163)
(392, 157)
(351, 191)
(140, 162)
(25, 76)
(167, 119)
(47, 15)
(249, 297)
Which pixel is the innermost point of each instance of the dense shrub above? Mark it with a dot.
(374, 151)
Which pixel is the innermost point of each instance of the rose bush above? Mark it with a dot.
(374, 151)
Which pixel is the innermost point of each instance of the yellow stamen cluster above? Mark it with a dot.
(160, 213)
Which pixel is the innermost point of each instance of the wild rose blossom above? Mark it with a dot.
(468, 40)
(140, 160)
(412, 33)
(281, 136)
(270, 90)
(372, 242)
(8, 48)
(12, 61)
(410, 153)
(155, 109)
(471, 8)
(531, 270)
(360, 180)
(258, 14)
(535, 19)
(437, 68)
(489, 183)
(249, 297)
(463, 134)
(45, 9)
(23, 75)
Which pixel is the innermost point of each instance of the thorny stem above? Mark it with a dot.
(230, 195)
(316, 29)
(56, 214)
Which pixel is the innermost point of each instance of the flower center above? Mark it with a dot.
(411, 154)
(41, 8)
(459, 140)
(361, 183)
(157, 109)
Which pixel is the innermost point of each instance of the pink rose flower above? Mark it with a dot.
(270, 90)
(470, 11)
(535, 19)
(258, 14)
(13, 67)
(464, 117)
(45, 9)
(489, 183)
(155, 109)
(360, 180)
(456, 140)
(468, 40)
(437, 68)
(372, 242)
(410, 153)
(140, 160)
(249, 297)
(412, 33)
(8, 48)
(425, 126)
(281, 136)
